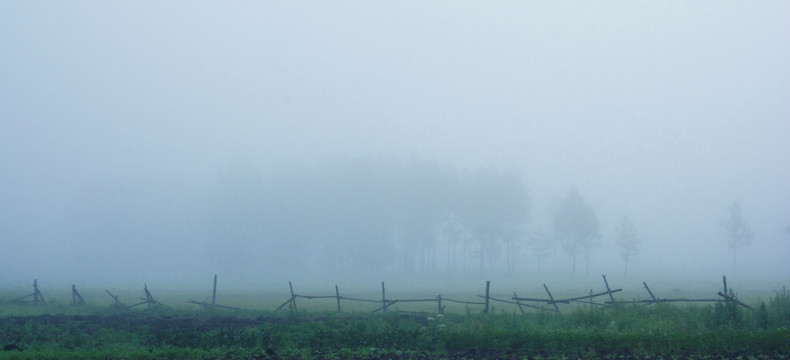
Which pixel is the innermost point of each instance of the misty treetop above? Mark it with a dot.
(368, 215)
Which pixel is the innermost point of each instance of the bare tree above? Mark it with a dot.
(739, 233)
(628, 240)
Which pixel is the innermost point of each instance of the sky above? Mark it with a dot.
(665, 112)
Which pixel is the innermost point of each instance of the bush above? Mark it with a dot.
(779, 309)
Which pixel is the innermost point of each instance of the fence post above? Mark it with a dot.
(337, 296)
(488, 285)
(35, 291)
(293, 298)
(441, 308)
(214, 292)
(383, 298)
(724, 280)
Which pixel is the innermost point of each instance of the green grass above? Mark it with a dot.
(628, 330)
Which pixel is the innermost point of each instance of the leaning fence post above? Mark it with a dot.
(76, 298)
(518, 302)
(383, 298)
(608, 289)
(293, 298)
(488, 285)
(552, 298)
(650, 292)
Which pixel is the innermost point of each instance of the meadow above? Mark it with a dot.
(627, 329)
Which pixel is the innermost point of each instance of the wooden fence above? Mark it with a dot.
(549, 303)
(542, 304)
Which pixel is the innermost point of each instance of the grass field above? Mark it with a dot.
(58, 330)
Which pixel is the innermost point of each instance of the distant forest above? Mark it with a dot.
(369, 215)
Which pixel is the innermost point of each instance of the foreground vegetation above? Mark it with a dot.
(625, 331)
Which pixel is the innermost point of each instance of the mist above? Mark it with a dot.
(360, 142)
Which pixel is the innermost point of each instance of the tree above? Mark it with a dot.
(452, 231)
(577, 227)
(739, 233)
(627, 239)
(496, 206)
(541, 245)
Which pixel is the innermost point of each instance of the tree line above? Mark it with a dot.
(381, 215)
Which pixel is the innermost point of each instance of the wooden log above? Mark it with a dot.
(512, 302)
(488, 285)
(547, 301)
(24, 297)
(552, 298)
(283, 304)
(206, 305)
(360, 300)
(317, 296)
(676, 300)
(610, 292)
(384, 307)
(214, 291)
(337, 294)
(117, 302)
(138, 304)
(463, 302)
(728, 298)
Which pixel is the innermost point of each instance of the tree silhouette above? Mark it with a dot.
(541, 245)
(628, 240)
(577, 227)
(739, 233)
(496, 207)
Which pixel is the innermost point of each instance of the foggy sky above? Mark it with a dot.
(122, 122)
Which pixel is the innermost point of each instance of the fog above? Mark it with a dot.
(366, 141)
